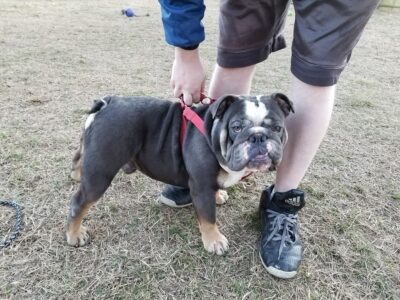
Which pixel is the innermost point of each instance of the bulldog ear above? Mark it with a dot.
(284, 103)
(218, 108)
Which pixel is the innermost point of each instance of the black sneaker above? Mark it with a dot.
(175, 196)
(280, 246)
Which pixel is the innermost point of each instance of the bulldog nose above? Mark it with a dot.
(257, 138)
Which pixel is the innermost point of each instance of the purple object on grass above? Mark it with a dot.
(128, 12)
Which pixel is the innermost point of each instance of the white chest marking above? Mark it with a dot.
(255, 113)
(227, 177)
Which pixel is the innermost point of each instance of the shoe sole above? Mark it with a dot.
(172, 203)
(276, 272)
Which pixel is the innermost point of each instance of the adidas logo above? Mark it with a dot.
(293, 201)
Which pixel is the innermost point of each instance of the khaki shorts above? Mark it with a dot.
(325, 33)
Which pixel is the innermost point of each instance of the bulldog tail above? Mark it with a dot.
(99, 104)
(77, 159)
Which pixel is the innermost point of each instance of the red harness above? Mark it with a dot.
(188, 115)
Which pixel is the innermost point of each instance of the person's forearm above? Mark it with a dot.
(187, 78)
(186, 56)
(184, 30)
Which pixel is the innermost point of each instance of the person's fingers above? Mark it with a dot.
(177, 92)
(202, 89)
(203, 86)
(187, 98)
(196, 96)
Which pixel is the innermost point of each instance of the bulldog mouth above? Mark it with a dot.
(261, 157)
(260, 162)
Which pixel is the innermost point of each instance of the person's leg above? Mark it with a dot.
(280, 247)
(235, 81)
(320, 51)
(318, 58)
(313, 107)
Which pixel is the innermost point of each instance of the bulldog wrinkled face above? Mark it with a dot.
(253, 134)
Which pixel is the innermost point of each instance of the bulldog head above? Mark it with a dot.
(248, 132)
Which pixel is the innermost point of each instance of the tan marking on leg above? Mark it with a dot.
(77, 234)
(213, 240)
(221, 197)
(77, 162)
(76, 171)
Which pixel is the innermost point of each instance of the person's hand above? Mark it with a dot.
(188, 76)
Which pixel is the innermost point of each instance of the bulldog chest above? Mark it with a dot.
(227, 178)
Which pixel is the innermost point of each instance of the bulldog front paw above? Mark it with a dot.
(217, 243)
(221, 197)
(79, 238)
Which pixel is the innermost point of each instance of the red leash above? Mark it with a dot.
(189, 115)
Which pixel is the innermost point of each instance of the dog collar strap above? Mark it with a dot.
(190, 115)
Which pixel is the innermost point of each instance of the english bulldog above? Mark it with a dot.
(243, 134)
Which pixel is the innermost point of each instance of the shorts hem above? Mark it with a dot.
(314, 74)
(233, 59)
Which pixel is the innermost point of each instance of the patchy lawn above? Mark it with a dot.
(57, 56)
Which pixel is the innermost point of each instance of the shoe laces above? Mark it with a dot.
(283, 226)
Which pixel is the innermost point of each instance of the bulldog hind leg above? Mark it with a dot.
(95, 179)
(77, 234)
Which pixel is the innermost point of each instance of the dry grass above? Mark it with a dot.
(56, 56)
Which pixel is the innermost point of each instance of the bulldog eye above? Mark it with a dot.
(276, 128)
(236, 128)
